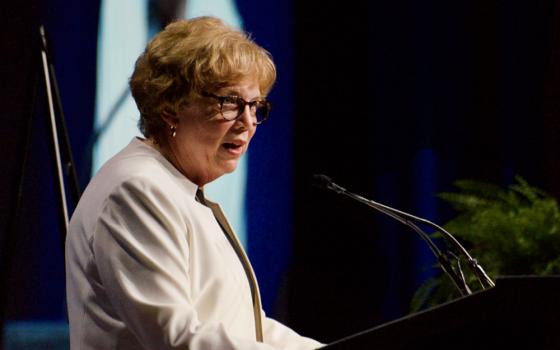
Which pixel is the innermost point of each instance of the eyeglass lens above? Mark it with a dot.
(232, 107)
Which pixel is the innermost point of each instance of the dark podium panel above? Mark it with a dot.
(521, 312)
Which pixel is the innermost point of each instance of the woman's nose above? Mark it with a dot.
(247, 117)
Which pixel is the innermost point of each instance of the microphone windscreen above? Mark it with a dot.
(322, 181)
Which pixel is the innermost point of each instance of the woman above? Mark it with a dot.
(151, 264)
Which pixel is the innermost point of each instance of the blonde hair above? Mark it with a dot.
(189, 57)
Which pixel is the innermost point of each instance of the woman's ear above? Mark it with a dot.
(170, 118)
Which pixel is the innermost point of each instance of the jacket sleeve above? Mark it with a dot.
(141, 251)
(280, 336)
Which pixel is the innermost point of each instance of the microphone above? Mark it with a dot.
(409, 220)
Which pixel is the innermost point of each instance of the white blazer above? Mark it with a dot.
(148, 267)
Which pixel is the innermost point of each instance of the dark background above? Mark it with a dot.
(396, 100)
(393, 100)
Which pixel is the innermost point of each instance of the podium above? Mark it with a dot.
(521, 312)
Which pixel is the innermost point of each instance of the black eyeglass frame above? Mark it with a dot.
(241, 103)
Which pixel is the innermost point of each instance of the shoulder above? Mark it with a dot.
(139, 166)
(136, 161)
(138, 174)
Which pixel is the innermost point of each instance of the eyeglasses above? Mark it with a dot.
(232, 107)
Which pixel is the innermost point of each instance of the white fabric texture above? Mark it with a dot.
(148, 267)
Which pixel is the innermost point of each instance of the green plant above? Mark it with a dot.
(511, 231)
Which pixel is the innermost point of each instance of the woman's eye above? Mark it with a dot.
(230, 100)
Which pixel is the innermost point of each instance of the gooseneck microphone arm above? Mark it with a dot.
(408, 220)
(456, 276)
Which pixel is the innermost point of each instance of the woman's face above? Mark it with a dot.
(206, 146)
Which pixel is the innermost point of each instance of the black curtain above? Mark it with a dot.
(395, 101)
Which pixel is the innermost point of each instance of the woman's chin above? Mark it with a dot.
(228, 166)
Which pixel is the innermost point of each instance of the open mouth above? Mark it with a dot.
(231, 146)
